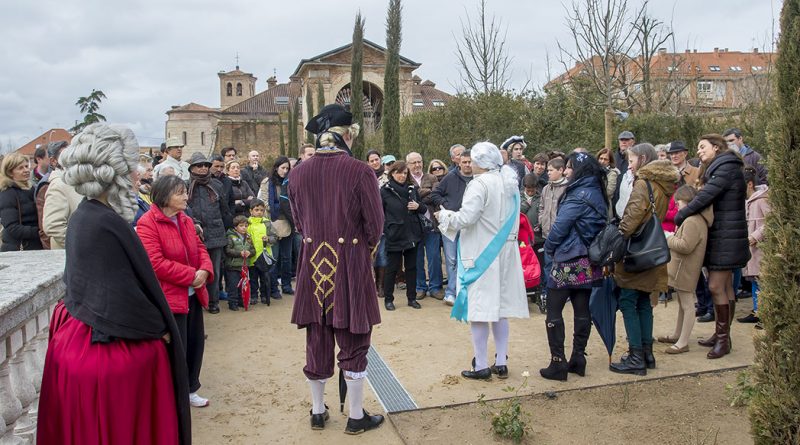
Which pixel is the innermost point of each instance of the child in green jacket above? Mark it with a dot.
(239, 248)
(260, 231)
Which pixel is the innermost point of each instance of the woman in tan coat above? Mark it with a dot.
(688, 248)
(636, 287)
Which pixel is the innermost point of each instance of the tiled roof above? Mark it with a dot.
(719, 63)
(319, 57)
(191, 106)
(52, 135)
(272, 101)
(427, 97)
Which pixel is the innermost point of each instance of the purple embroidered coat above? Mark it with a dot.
(337, 210)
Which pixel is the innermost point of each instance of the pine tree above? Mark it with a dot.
(320, 95)
(89, 105)
(775, 405)
(356, 85)
(309, 111)
(282, 137)
(390, 121)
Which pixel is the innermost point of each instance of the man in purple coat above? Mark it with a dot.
(337, 210)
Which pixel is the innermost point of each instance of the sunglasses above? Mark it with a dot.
(436, 169)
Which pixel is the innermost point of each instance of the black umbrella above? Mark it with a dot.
(603, 307)
(342, 390)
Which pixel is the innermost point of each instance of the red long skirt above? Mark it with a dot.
(112, 393)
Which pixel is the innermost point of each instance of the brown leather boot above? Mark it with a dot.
(723, 329)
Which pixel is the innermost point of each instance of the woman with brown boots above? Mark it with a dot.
(727, 248)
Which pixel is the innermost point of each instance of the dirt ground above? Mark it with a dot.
(252, 374)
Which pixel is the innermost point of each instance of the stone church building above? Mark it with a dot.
(251, 121)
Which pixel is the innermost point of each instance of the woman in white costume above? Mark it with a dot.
(491, 287)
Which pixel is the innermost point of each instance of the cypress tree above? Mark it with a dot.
(356, 85)
(391, 80)
(292, 130)
(282, 137)
(320, 95)
(309, 111)
(775, 405)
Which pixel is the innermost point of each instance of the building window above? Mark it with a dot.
(419, 103)
(705, 88)
(438, 103)
(714, 68)
(736, 68)
(184, 138)
(238, 89)
(757, 68)
(202, 138)
(282, 100)
(230, 89)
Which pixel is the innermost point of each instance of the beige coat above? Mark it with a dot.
(757, 209)
(662, 176)
(548, 205)
(688, 248)
(60, 202)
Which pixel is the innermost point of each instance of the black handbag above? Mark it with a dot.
(647, 248)
(608, 247)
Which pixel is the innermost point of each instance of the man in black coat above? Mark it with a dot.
(448, 194)
(210, 210)
(217, 172)
(253, 173)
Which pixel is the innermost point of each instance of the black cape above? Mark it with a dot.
(111, 286)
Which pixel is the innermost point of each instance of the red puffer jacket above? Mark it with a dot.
(176, 256)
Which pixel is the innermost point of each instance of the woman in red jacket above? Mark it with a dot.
(182, 266)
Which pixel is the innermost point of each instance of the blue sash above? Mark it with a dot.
(484, 260)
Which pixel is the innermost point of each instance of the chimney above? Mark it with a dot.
(716, 50)
(755, 50)
(695, 51)
(726, 50)
(688, 51)
(662, 50)
(271, 82)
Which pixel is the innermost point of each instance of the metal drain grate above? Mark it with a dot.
(391, 394)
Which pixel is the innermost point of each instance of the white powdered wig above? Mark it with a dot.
(486, 155)
(100, 160)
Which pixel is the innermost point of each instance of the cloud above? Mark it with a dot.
(148, 55)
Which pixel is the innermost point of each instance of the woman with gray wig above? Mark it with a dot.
(112, 372)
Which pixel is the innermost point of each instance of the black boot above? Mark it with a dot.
(577, 362)
(558, 362)
(366, 423)
(649, 358)
(633, 364)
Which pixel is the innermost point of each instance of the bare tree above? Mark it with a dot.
(602, 42)
(649, 34)
(483, 59)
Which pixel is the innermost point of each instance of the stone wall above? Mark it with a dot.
(30, 285)
(199, 128)
(260, 135)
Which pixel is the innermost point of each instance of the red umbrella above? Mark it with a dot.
(244, 286)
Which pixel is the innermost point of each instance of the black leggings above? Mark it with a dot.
(557, 298)
(409, 259)
(193, 336)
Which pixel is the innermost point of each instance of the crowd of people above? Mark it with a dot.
(184, 236)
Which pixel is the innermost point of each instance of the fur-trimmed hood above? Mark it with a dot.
(661, 174)
(7, 183)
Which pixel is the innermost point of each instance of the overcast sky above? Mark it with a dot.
(147, 55)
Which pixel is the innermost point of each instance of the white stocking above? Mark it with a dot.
(355, 397)
(480, 336)
(317, 396)
(500, 334)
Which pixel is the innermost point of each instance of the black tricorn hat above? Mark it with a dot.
(333, 115)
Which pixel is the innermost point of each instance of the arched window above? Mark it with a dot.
(230, 89)
(184, 138)
(238, 89)
(202, 138)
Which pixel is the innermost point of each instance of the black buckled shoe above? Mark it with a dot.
(366, 423)
(389, 306)
(500, 370)
(483, 374)
(318, 420)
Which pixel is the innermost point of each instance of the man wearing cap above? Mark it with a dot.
(57, 199)
(386, 161)
(209, 209)
(173, 159)
(677, 153)
(335, 300)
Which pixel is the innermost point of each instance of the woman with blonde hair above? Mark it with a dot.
(18, 213)
(437, 168)
(115, 370)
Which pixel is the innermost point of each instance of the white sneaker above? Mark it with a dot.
(197, 401)
(449, 300)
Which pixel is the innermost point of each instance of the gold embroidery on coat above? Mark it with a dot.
(324, 273)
